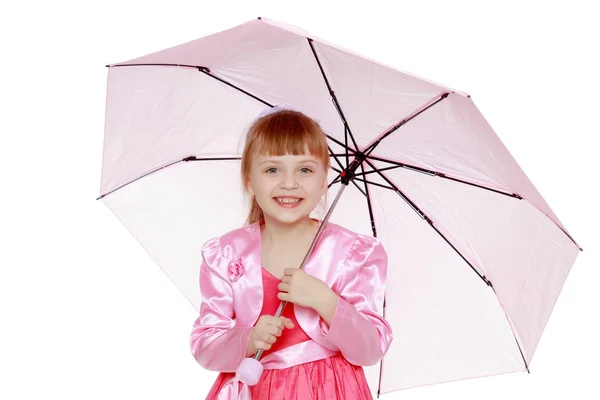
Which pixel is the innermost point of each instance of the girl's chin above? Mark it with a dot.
(288, 219)
(288, 216)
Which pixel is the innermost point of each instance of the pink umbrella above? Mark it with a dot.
(477, 258)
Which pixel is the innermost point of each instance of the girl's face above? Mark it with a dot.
(287, 188)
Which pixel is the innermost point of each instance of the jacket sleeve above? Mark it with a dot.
(357, 329)
(216, 342)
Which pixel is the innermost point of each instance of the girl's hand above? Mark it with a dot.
(303, 289)
(265, 333)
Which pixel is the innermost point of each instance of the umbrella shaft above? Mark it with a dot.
(308, 253)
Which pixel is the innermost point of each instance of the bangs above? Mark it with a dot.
(288, 132)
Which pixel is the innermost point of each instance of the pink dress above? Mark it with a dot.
(332, 378)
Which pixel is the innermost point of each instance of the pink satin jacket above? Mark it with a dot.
(353, 265)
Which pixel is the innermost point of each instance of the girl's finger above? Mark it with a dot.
(284, 296)
(288, 323)
(275, 330)
(268, 338)
(259, 344)
(284, 287)
(274, 321)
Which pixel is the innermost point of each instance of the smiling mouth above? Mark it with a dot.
(288, 201)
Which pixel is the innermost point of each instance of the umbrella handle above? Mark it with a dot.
(249, 371)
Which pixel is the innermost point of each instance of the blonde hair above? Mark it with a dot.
(279, 133)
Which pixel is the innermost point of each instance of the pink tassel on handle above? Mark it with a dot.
(249, 371)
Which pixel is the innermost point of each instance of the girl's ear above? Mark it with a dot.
(248, 187)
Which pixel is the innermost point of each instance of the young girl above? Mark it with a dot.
(330, 327)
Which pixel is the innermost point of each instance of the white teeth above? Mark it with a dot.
(287, 200)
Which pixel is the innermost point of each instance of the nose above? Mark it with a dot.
(288, 181)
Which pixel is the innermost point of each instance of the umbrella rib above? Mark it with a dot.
(375, 171)
(359, 189)
(439, 174)
(334, 181)
(340, 143)
(444, 176)
(331, 154)
(200, 68)
(394, 128)
(333, 97)
(339, 155)
(194, 158)
(346, 145)
(154, 65)
(374, 184)
(190, 158)
(369, 199)
(512, 330)
(374, 229)
(207, 71)
(429, 221)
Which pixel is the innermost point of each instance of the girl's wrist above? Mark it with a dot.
(326, 305)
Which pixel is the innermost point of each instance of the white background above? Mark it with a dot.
(85, 312)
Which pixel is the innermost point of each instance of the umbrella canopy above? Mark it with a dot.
(477, 258)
